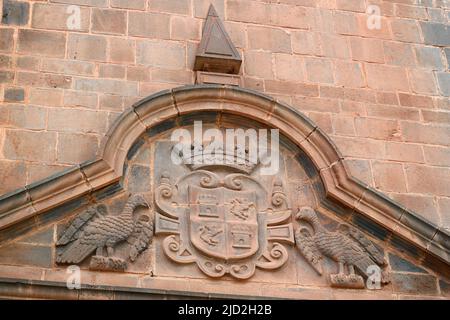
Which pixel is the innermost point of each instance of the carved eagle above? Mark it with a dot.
(94, 230)
(347, 246)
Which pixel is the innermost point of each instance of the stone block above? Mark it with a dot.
(173, 76)
(400, 54)
(124, 88)
(72, 120)
(422, 81)
(58, 17)
(14, 175)
(258, 64)
(139, 179)
(427, 134)
(287, 67)
(422, 205)
(174, 6)
(442, 117)
(161, 54)
(389, 176)
(406, 30)
(129, 4)
(343, 125)
(27, 63)
(387, 98)
(45, 43)
(80, 99)
(87, 146)
(46, 97)
(349, 74)
(27, 117)
(149, 25)
(443, 79)
(183, 28)
(335, 46)
(359, 147)
(306, 42)
(270, 39)
(26, 254)
(437, 34)
(6, 62)
(410, 100)
(318, 70)
(90, 3)
(15, 12)
(21, 145)
(361, 170)
(291, 88)
(437, 179)
(109, 21)
(81, 47)
(68, 67)
(437, 156)
(138, 73)
(393, 112)
(122, 50)
(404, 152)
(414, 284)
(111, 71)
(413, 12)
(201, 8)
(429, 57)
(6, 40)
(47, 80)
(111, 102)
(14, 95)
(6, 77)
(370, 50)
(387, 78)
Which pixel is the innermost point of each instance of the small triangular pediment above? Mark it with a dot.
(216, 52)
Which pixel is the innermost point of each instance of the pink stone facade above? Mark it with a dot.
(382, 95)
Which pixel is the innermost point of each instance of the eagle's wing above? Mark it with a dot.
(74, 230)
(306, 244)
(142, 236)
(362, 240)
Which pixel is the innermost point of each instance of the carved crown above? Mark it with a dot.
(206, 155)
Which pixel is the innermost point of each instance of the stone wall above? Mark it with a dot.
(382, 95)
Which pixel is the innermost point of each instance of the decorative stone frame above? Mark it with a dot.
(152, 112)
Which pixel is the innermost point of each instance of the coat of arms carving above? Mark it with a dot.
(221, 218)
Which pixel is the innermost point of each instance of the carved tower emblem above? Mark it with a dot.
(223, 219)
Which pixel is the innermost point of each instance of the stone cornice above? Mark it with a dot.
(42, 196)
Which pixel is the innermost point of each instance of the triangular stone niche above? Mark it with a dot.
(230, 229)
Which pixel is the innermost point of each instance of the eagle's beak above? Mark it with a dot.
(299, 215)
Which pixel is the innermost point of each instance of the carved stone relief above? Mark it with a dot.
(97, 231)
(222, 219)
(347, 246)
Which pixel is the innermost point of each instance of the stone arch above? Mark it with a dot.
(157, 109)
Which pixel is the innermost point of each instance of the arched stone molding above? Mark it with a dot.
(32, 200)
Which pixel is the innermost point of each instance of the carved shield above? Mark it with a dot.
(223, 222)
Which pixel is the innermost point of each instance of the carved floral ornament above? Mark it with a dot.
(224, 220)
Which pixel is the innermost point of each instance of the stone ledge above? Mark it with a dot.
(147, 113)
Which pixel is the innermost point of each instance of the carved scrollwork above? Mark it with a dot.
(212, 268)
(176, 251)
(164, 195)
(243, 270)
(273, 258)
